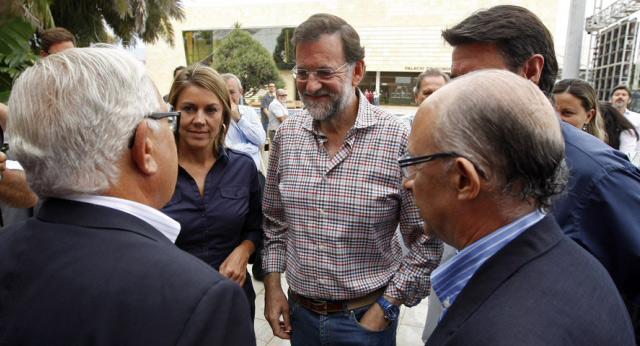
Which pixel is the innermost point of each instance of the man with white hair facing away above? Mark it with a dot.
(486, 157)
(97, 264)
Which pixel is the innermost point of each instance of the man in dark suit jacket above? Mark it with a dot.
(600, 209)
(486, 155)
(97, 264)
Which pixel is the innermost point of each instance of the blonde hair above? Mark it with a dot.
(207, 78)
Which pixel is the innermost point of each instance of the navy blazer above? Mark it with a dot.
(601, 210)
(82, 274)
(540, 289)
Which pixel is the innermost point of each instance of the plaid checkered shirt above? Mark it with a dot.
(330, 222)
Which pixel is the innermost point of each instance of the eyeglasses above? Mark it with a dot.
(173, 119)
(302, 74)
(408, 169)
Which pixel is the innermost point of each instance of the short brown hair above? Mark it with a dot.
(620, 87)
(52, 36)
(322, 23)
(519, 34)
(205, 77)
(431, 72)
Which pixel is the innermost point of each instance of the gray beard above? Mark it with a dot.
(336, 106)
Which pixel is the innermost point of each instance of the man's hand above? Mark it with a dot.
(3, 163)
(235, 265)
(374, 319)
(276, 305)
(235, 112)
(14, 191)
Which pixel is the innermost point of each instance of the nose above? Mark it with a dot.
(407, 184)
(199, 117)
(313, 84)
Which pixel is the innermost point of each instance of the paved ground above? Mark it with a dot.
(409, 328)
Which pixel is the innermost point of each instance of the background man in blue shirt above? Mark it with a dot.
(516, 280)
(600, 209)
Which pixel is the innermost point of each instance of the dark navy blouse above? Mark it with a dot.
(229, 211)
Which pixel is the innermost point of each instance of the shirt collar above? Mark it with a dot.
(164, 224)
(224, 155)
(449, 279)
(364, 119)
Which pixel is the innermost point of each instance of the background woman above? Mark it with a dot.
(577, 104)
(622, 135)
(217, 199)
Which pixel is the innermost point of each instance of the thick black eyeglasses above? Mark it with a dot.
(408, 169)
(302, 74)
(174, 123)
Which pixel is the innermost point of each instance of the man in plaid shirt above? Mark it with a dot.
(332, 202)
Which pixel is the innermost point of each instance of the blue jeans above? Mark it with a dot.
(336, 328)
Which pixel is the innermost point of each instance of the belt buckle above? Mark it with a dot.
(325, 306)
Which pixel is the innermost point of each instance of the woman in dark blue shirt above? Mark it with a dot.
(218, 198)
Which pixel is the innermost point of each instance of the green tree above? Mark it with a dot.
(148, 20)
(15, 52)
(283, 54)
(244, 56)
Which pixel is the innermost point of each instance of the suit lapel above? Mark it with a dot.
(533, 242)
(87, 215)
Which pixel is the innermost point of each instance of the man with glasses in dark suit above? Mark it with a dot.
(97, 264)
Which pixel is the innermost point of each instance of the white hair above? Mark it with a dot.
(227, 76)
(72, 116)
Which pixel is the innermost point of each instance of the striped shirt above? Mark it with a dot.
(330, 222)
(449, 279)
(246, 135)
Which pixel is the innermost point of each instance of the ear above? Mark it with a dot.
(466, 179)
(590, 115)
(358, 73)
(143, 150)
(532, 68)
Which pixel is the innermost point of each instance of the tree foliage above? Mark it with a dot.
(15, 52)
(148, 20)
(283, 54)
(244, 56)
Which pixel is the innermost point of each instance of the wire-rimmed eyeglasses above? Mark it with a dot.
(408, 164)
(302, 74)
(173, 118)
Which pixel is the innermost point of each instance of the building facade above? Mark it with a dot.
(401, 38)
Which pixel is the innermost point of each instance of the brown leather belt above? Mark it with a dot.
(325, 306)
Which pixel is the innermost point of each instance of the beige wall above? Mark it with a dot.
(398, 35)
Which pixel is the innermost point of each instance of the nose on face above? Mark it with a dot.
(407, 184)
(312, 84)
(199, 117)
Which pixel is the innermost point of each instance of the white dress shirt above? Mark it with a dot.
(166, 225)
(634, 119)
(247, 135)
